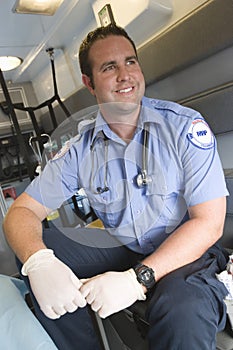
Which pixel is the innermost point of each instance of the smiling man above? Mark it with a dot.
(151, 171)
(117, 82)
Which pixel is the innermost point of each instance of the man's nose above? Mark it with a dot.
(122, 73)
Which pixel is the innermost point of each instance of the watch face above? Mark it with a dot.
(145, 276)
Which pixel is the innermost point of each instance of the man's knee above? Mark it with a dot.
(180, 310)
(178, 301)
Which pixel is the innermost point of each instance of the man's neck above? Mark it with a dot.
(123, 123)
(124, 130)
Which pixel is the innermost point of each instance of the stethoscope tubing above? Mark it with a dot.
(142, 178)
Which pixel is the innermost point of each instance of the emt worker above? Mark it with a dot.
(152, 174)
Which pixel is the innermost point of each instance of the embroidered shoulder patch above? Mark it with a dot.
(62, 151)
(200, 135)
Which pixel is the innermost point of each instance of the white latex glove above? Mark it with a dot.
(54, 285)
(111, 292)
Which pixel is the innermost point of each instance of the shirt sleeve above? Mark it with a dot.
(203, 172)
(57, 182)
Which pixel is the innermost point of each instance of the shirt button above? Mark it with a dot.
(138, 211)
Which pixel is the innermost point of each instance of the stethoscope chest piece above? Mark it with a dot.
(143, 179)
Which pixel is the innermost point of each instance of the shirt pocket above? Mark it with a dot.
(110, 201)
(168, 201)
(157, 185)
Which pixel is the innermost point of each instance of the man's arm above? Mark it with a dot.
(54, 285)
(22, 226)
(111, 292)
(191, 239)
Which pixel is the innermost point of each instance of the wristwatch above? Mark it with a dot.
(145, 275)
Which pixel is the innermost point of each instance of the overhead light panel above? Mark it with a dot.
(9, 62)
(37, 7)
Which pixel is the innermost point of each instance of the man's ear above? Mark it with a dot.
(87, 82)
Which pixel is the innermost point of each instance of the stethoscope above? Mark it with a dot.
(105, 188)
(142, 179)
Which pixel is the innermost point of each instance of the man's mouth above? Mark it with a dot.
(124, 91)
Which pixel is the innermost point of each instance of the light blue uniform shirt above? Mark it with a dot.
(183, 164)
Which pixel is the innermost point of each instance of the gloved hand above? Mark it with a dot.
(111, 292)
(54, 285)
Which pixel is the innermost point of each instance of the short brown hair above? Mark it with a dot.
(91, 38)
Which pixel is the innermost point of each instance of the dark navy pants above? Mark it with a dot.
(185, 309)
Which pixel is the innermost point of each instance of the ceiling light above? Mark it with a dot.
(37, 7)
(9, 62)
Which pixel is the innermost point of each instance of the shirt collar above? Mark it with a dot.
(101, 128)
(148, 114)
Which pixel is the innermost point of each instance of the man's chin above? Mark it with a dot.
(119, 107)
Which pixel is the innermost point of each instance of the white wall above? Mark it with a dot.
(210, 72)
(205, 75)
(181, 8)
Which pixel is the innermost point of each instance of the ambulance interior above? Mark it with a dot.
(185, 49)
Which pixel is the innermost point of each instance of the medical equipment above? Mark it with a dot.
(105, 188)
(142, 179)
(36, 151)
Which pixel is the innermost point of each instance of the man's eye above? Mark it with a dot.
(131, 62)
(108, 68)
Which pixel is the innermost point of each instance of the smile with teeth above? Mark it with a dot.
(123, 91)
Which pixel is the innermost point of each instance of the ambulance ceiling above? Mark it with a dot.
(29, 36)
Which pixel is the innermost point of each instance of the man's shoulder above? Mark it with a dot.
(166, 107)
(182, 120)
(78, 142)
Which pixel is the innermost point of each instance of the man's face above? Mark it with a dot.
(117, 76)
